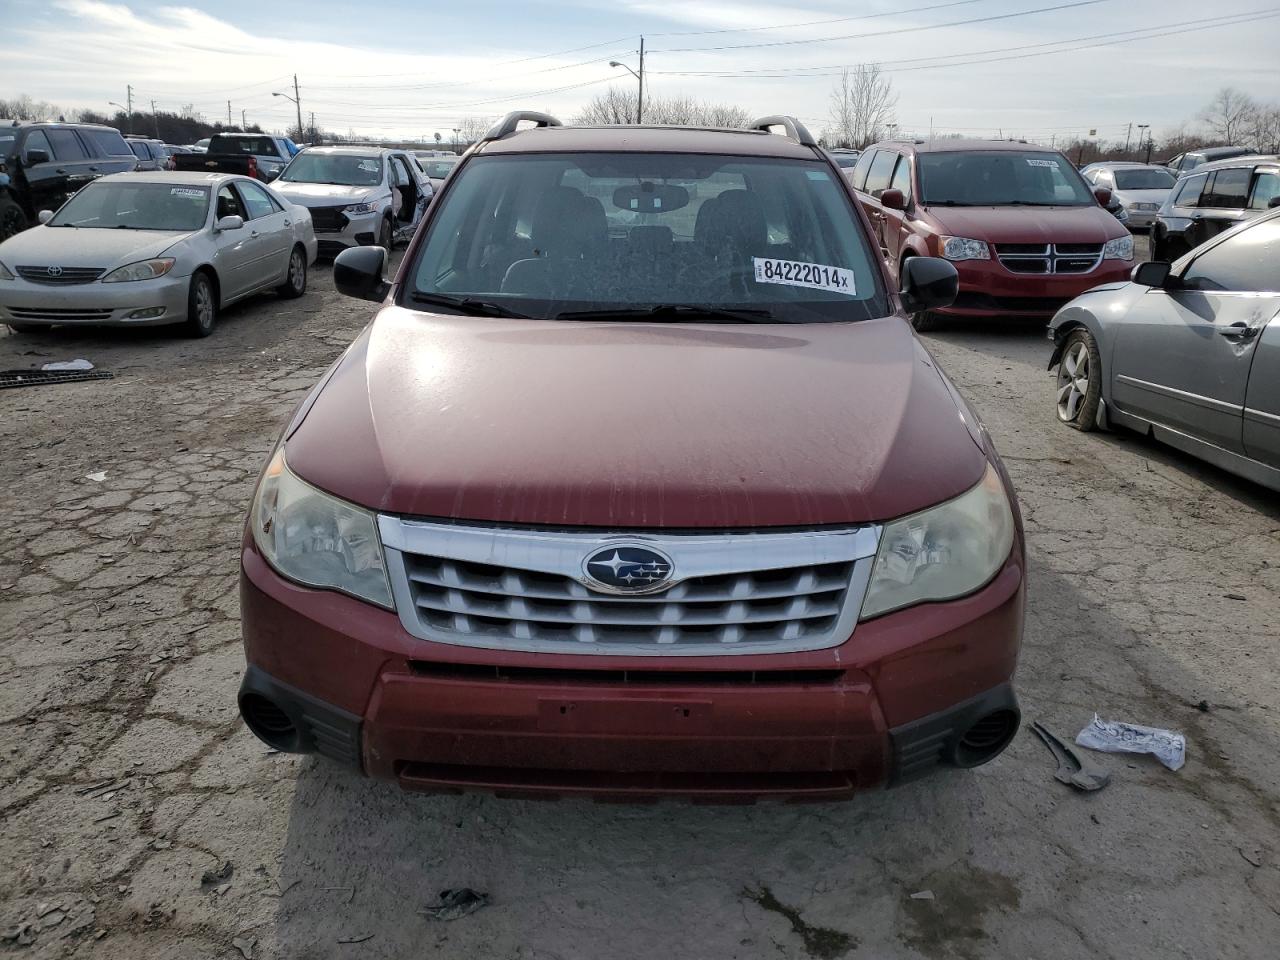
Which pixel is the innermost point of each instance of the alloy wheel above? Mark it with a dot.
(1073, 381)
(297, 273)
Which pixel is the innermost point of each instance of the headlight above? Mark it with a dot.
(359, 208)
(142, 270)
(1121, 248)
(944, 552)
(962, 248)
(316, 539)
(4, 273)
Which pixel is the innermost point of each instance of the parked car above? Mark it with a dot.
(1186, 162)
(1137, 188)
(151, 154)
(42, 164)
(1214, 198)
(437, 169)
(845, 159)
(526, 527)
(143, 249)
(201, 146)
(1025, 231)
(249, 154)
(357, 195)
(1187, 353)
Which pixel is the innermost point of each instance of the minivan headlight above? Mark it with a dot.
(962, 248)
(1121, 248)
(944, 552)
(142, 270)
(316, 539)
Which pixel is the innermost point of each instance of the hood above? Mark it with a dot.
(1141, 196)
(636, 425)
(84, 247)
(1087, 224)
(311, 194)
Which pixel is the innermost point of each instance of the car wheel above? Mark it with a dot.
(295, 284)
(925, 321)
(202, 306)
(12, 219)
(1079, 381)
(385, 237)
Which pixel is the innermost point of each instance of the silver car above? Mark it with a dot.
(1138, 188)
(139, 249)
(1188, 353)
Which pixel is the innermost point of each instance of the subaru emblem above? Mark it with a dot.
(628, 569)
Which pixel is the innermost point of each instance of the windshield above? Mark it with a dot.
(1151, 179)
(135, 206)
(549, 235)
(343, 169)
(438, 169)
(994, 178)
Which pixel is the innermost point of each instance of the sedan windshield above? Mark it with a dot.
(996, 178)
(668, 238)
(126, 205)
(341, 169)
(1153, 178)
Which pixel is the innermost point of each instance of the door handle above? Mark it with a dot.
(253, 233)
(1238, 330)
(286, 223)
(60, 170)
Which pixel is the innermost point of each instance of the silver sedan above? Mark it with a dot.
(1188, 353)
(138, 249)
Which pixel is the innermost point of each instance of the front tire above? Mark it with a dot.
(926, 321)
(386, 238)
(1079, 381)
(295, 281)
(202, 306)
(12, 220)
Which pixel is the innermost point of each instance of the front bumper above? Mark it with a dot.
(94, 303)
(988, 289)
(336, 231)
(343, 678)
(1141, 219)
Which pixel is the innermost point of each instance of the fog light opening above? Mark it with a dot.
(986, 738)
(269, 722)
(149, 313)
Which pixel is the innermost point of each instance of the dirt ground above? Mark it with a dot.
(141, 820)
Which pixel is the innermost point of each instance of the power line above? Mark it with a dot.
(812, 23)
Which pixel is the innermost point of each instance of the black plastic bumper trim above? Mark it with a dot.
(922, 745)
(320, 727)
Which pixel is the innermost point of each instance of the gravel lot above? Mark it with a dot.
(141, 820)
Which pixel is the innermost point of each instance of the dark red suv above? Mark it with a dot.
(639, 484)
(1024, 230)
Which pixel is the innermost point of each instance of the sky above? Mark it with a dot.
(1047, 70)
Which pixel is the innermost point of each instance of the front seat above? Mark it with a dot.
(567, 231)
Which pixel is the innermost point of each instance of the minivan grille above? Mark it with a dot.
(742, 592)
(1043, 258)
(60, 275)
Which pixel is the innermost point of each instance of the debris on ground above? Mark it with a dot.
(455, 904)
(1203, 706)
(78, 364)
(1073, 769)
(40, 378)
(1236, 596)
(212, 879)
(1116, 736)
(359, 938)
(21, 935)
(96, 477)
(922, 895)
(245, 945)
(1252, 853)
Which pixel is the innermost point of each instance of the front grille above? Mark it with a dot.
(1058, 258)
(61, 275)
(525, 590)
(60, 315)
(328, 219)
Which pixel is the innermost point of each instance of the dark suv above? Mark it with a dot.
(42, 164)
(1214, 198)
(1184, 163)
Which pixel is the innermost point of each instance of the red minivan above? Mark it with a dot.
(639, 484)
(1024, 230)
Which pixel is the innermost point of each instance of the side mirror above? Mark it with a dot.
(928, 283)
(37, 156)
(1103, 195)
(358, 272)
(1273, 203)
(232, 222)
(1153, 273)
(44, 216)
(892, 199)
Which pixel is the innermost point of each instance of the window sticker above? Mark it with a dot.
(1031, 162)
(792, 273)
(193, 193)
(369, 165)
(818, 175)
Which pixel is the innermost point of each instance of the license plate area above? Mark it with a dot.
(599, 715)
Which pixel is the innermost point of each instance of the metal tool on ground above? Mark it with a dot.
(1073, 769)
(40, 378)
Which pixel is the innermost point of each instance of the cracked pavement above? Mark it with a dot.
(142, 820)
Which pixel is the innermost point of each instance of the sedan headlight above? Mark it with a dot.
(142, 270)
(358, 208)
(317, 539)
(944, 552)
(1121, 248)
(4, 273)
(962, 248)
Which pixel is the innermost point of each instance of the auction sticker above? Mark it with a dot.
(195, 193)
(1042, 163)
(792, 273)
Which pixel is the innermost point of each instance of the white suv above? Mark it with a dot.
(358, 196)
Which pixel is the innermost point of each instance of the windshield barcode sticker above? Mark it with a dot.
(194, 193)
(792, 273)
(1042, 163)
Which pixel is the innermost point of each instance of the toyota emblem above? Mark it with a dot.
(628, 569)
(54, 271)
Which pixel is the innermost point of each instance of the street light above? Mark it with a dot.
(1141, 128)
(128, 115)
(296, 99)
(639, 76)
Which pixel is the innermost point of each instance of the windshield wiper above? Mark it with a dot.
(946, 203)
(676, 311)
(468, 305)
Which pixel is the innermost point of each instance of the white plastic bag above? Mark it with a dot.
(1115, 736)
(80, 364)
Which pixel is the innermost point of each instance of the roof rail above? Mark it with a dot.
(794, 128)
(509, 123)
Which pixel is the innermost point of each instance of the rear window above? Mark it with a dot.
(1151, 179)
(244, 146)
(548, 234)
(106, 143)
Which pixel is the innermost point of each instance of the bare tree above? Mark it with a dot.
(24, 107)
(1227, 114)
(1262, 128)
(862, 106)
(471, 129)
(616, 106)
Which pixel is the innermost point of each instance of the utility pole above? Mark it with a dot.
(312, 130)
(228, 113)
(155, 120)
(297, 102)
(1128, 133)
(1142, 130)
(640, 102)
(243, 123)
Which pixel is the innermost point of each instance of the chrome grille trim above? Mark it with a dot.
(63, 277)
(1049, 259)
(524, 590)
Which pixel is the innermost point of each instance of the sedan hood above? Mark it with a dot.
(1090, 224)
(84, 247)
(313, 194)
(636, 425)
